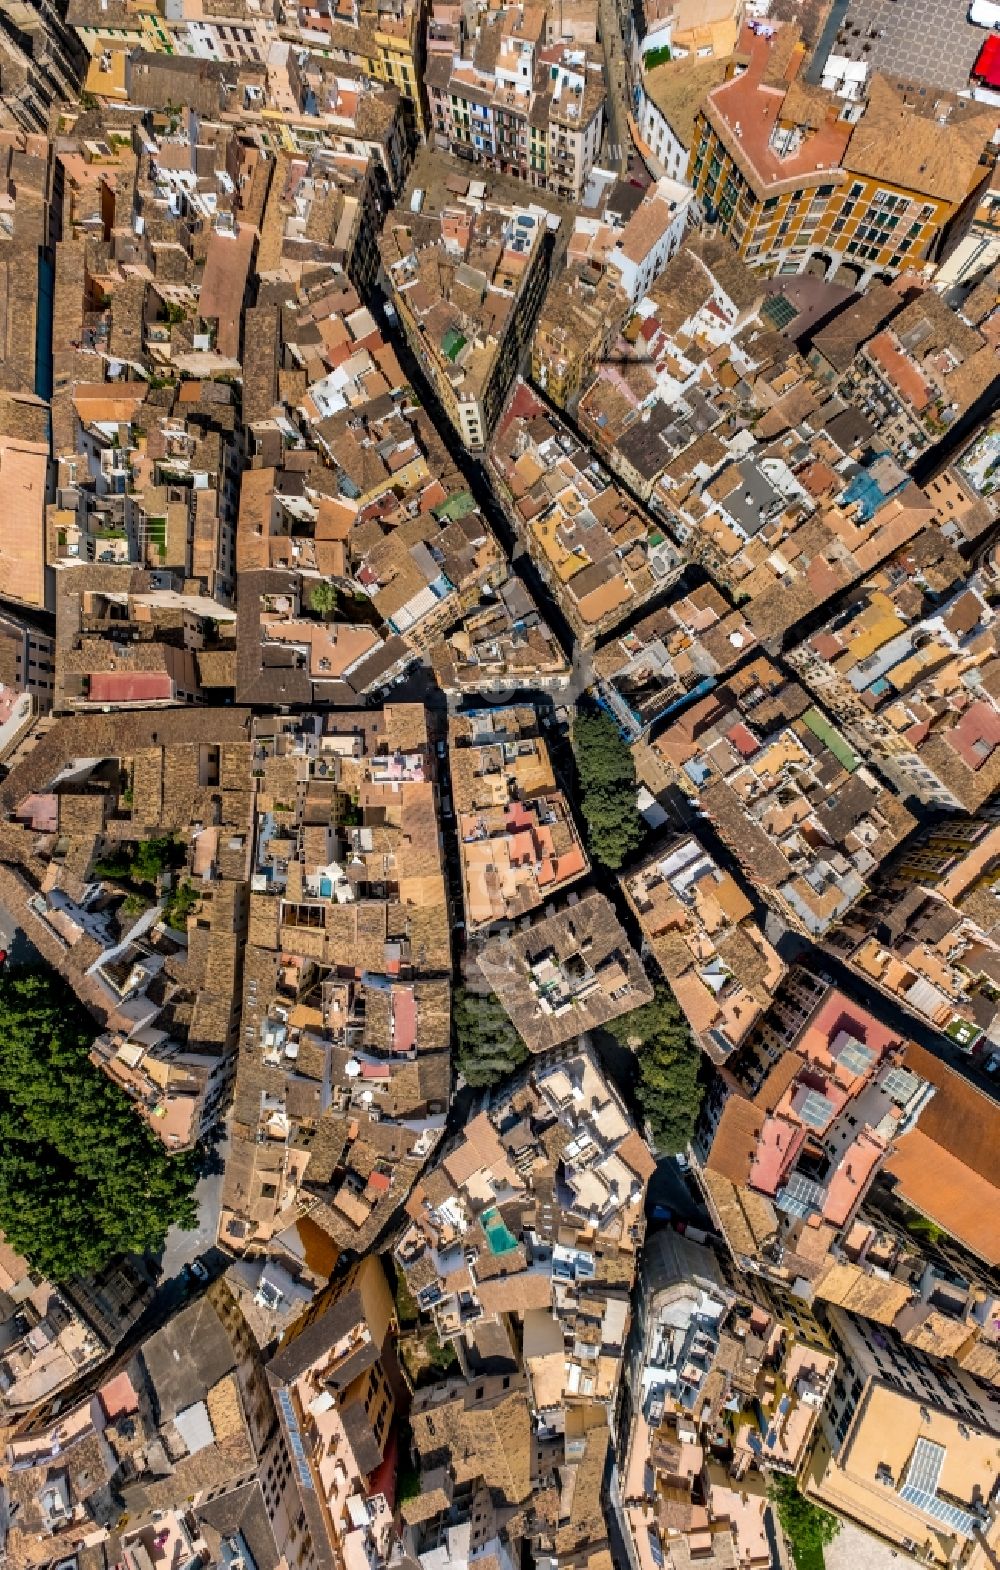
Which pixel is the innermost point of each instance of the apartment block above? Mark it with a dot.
(575, 329)
(383, 39)
(567, 973)
(338, 108)
(681, 32)
(650, 399)
(42, 65)
(906, 1449)
(826, 1195)
(922, 951)
(707, 1365)
(521, 1249)
(29, 230)
(46, 1343)
(678, 651)
(140, 501)
(601, 555)
(336, 1384)
(924, 370)
(805, 817)
(482, 1201)
(518, 843)
(792, 174)
(343, 1075)
(181, 1452)
(503, 643)
(972, 478)
(943, 1169)
(161, 968)
(668, 92)
(888, 1265)
(973, 242)
(700, 927)
(131, 639)
(906, 668)
(27, 677)
(467, 286)
(652, 235)
(385, 523)
(24, 461)
(817, 496)
(501, 94)
(789, 1166)
(322, 216)
(380, 46)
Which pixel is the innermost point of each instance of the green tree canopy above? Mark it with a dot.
(407, 1307)
(141, 861)
(323, 597)
(180, 903)
(669, 1089)
(489, 1046)
(82, 1179)
(607, 790)
(807, 1527)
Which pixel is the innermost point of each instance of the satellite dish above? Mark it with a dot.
(352, 1068)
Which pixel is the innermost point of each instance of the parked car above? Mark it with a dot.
(198, 1270)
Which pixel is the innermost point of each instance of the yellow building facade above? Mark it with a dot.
(798, 180)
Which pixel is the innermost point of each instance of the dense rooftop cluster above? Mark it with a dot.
(499, 778)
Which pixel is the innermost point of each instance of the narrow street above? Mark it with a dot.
(14, 942)
(618, 141)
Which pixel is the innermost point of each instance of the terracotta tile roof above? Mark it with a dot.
(942, 1187)
(736, 1139)
(893, 143)
(959, 1117)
